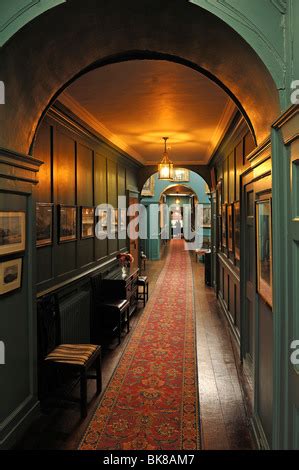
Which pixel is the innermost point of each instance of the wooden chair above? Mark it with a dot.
(143, 284)
(109, 314)
(75, 359)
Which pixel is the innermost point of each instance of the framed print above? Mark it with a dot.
(10, 275)
(206, 216)
(237, 229)
(224, 225)
(219, 197)
(67, 227)
(180, 174)
(87, 222)
(101, 223)
(12, 232)
(264, 249)
(44, 224)
(230, 228)
(148, 189)
(219, 229)
(113, 218)
(122, 220)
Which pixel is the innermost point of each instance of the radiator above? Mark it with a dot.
(75, 319)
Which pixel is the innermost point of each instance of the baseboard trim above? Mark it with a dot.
(233, 329)
(258, 433)
(18, 425)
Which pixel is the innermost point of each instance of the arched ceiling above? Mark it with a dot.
(48, 53)
(140, 101)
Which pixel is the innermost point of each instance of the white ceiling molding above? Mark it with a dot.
(73, 105)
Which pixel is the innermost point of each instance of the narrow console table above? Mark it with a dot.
(117, 285)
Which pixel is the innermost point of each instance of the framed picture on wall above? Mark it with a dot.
(219, 230)
(181, 174)
(44, 224)
(237, 229)
(101, 223)
(10, 275)
(114, 220)
(206, 216)
(67, 223)
(224, 225)
(87, 222)
(230, 228)
(219, 197)
(122, 219)
(148, 189)
(264, 249)
(12, 232)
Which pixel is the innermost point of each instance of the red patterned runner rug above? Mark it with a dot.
(151, 402)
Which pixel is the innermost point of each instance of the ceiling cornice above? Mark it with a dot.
(73, 105)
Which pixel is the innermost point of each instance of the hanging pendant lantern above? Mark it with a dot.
(165, 168)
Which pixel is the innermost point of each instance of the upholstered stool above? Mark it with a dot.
(143, 284)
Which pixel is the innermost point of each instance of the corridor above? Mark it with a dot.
(153, 375)
(126, 128)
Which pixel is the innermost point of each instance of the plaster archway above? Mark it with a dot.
(45, 56)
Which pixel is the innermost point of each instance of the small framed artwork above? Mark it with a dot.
(237, 229)
(230, 228)
(264, 249)
(122, 219)
(102, 223)
(87, 222)
(12, 232)
(181, 174)
(219, 229)
(224, 225)
(114, 225)
(67, 226)
(206, 216)
(44, 224)
(219, 197)
(10, 275)
(148, 189)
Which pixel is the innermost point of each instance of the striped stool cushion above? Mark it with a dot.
(77, 354)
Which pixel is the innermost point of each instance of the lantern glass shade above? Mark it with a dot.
(165, 170)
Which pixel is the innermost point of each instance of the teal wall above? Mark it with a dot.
(196, 183)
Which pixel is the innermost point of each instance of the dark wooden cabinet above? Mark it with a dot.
(116, 285)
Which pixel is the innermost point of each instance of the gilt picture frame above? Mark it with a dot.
(237, 230)
(224, 225)
(181, 175)
(230, 228)
(87, 222)
(263, 212)
(148, 189)
(206, 216)
(67, 223)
